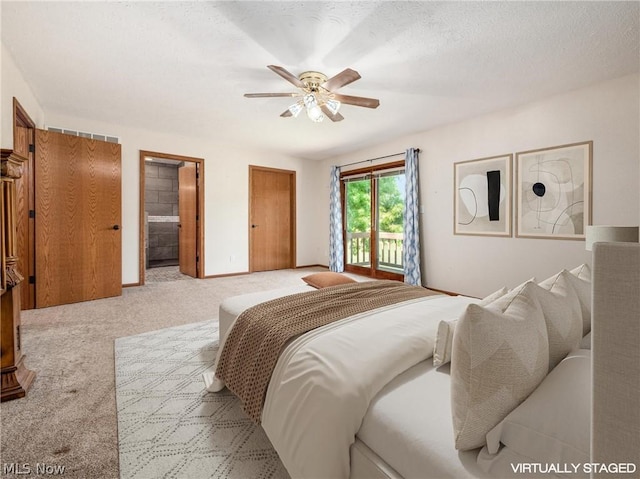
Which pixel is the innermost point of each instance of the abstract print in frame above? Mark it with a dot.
(482, 196)
(554, 191)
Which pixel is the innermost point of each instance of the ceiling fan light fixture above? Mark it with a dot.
(313, 109)
(317, 94)
(296, 108)
(315, 113)
(333, 105)
(309, 100)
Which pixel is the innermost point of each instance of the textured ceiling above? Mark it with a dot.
(183, 67)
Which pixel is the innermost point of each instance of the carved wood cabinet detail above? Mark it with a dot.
(15, 378)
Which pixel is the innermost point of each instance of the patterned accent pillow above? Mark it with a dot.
(325, 279)
(446, 328)
(500, 355)
(563, 316)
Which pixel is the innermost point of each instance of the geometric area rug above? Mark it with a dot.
(169, 426)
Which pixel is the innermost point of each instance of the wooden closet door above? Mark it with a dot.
(272, 216)
(78, 219)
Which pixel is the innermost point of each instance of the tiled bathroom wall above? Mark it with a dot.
(161, 206)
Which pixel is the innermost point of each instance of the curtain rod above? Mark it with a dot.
(379, 158)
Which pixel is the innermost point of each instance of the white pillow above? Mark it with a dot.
(553, 424)
(586, 342)
(563, 315)
(493, 296)
(583, 272)
(446, 328)
(582, 289)
(443, 343)
(500, 355)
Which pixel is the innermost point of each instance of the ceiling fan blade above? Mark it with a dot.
(357, 100)
(341, 79)
(286, 113)
(331, 116)
(286, 75)
(267, 95)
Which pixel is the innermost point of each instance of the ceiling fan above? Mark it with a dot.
(318, 94)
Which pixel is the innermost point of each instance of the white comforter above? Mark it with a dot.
(324, 381)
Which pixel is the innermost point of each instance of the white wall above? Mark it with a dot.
(12, 84)
(226, 182)
(607, 113)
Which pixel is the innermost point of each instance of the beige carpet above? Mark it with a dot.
(69, 415)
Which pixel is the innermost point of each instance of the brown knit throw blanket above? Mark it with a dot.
(253, 346)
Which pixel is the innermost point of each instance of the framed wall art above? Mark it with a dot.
(482, 196)
(553, 191)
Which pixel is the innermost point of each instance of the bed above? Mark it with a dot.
(396, 421)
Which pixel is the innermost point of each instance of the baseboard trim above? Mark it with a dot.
(226, 275)
(241, 273)
(131, 285)
(448, 293)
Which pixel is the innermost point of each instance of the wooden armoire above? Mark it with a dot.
(15, 378)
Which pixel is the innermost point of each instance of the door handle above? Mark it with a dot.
(254, 226)
(116, 227)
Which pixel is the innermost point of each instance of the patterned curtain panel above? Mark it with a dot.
(412, 220)
(336, 245)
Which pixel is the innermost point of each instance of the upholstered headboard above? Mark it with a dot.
(615, 435)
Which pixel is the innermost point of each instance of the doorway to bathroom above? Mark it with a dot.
(171, 219)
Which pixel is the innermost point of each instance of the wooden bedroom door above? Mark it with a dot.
(22, 143)
(272, 219)
(77, 219)
(187, 208)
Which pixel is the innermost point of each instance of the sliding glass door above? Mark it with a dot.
(358, 222)
(373, 220)
(390, 194)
